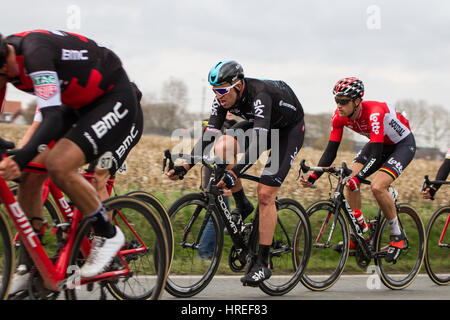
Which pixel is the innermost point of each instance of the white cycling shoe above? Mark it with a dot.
(102, 253)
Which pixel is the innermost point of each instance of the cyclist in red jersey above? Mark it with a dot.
(389, 151)
(89, 108)
(442, 175)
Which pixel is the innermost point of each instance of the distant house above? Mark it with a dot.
(12, 113)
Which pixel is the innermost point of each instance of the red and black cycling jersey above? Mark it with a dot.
(269, 104)
(379, 121)
(62, 68)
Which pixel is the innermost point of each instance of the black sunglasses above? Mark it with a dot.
(342, 102)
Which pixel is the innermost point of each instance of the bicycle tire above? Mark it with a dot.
(154, 202)
(7, 257)
(125, 207)
(434, 253)
(299, 248)
(189, 273)
(393, 275)
(325, 264)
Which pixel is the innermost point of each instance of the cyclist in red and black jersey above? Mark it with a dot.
(268, 107)
(89, 108)
(389, 151)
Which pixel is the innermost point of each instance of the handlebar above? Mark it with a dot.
(342, 171)
(427, 184)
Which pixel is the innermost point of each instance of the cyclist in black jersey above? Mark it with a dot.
(271, 110)
(441, 175)
(89, 108)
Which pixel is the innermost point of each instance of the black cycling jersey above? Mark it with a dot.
(61, 67)
(266, 105)
(269, 104)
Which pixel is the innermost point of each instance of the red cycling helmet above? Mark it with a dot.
(349, 87)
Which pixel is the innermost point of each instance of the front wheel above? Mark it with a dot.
(6, 257)
(437, 257)
(402, 273)
(329, 246)
(290, 248)
(198, 242)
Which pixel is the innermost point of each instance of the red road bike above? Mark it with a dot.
(145, 241)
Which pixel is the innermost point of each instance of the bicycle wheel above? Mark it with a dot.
(329, 246)
(142, 229)
(290, 249)
(437, 256)
(190, 273)
(401, 274)
(6, 257)
(152, 201)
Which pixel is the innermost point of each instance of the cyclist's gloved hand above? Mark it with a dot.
(180, 171)
(353, 184)
(312, 178)
(229, 179)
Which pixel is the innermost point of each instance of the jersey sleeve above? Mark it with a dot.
(337, 128)
(40, 64)
(376, 118)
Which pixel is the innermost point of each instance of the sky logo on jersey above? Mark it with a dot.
(258, 109)
(45, 84)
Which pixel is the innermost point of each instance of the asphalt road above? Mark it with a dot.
(348, 287)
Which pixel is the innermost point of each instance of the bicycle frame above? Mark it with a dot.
(53, 274)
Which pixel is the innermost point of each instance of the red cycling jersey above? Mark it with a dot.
(377, 120)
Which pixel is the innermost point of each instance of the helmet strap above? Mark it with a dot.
(354, 109)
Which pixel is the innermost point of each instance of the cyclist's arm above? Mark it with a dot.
(211, 131)
(260, 133)
(42, 72)
(329, 155)
(442, 173)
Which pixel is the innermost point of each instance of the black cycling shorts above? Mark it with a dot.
(110, 125)
(395, 158)
(281, 156)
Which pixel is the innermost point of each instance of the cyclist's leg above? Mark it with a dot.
(282, 155)
(227, 148)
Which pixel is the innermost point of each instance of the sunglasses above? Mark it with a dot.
(224, 90)
(342, 102)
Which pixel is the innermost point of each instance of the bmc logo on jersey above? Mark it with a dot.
(258, 109)
(74, 54)
(375, 123)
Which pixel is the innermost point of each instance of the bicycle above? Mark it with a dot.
(330, 220)
(190, 214)
(54, 274)
(437, 253)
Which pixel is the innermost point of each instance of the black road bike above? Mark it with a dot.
(437, 257)
(191, 214)
(330, 220)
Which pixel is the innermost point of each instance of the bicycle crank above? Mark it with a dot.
(236, 262)
(37, 290)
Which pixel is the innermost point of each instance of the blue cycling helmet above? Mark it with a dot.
(226, 71)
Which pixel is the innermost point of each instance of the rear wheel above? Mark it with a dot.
(402, 273)
(290, 249)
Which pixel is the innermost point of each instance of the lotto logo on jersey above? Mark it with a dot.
(375, 123)
(45, 84)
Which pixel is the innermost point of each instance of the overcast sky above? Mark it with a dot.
(400, 49)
